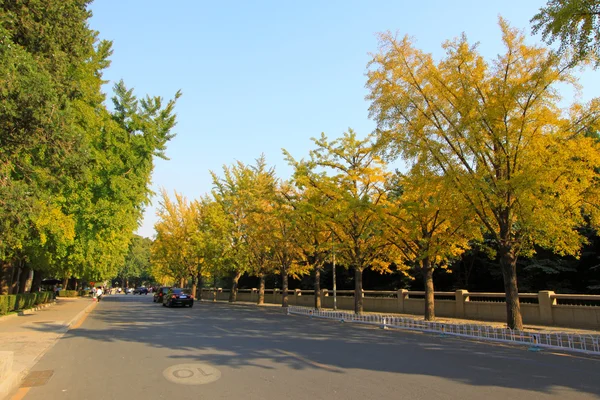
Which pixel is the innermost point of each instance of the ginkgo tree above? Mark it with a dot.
(177, 246)
(427, 222)
(285, 238)
(495, 129)
(313, 236)
(351, 175)
(238, 192)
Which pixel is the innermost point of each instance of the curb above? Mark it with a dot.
(80, 315)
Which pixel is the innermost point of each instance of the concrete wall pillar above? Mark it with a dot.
(401, 296)
(460, 297)
(545, 303)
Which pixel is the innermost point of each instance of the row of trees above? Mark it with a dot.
(74, 175)
(491, 159)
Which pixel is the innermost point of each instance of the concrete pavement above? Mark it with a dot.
(131, 347)
(25, 338)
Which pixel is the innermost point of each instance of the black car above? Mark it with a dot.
(178, 297)
(140, 290)
(159, 294)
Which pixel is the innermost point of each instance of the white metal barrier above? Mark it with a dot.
(589, 344)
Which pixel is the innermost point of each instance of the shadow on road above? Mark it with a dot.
(243, 335)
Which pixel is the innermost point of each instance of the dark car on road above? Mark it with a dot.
(160, 293)
(178, 297)
(140, 290)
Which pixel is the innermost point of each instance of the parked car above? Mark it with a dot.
(178, 297)
(159, 293)
(140, 290)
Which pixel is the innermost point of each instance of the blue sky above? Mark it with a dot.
(259, 76)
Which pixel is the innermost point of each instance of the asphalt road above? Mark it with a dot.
(130, 347)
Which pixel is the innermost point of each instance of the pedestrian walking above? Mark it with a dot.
(99, 292)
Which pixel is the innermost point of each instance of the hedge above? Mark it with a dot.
(68, 293)
(15, 302)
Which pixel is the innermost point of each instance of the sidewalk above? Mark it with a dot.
(28, 337)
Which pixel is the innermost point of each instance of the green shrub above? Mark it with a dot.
(20, 304)
(12, 302)
(24, 301)
(68, 293)
(45, 297)
(3, 305)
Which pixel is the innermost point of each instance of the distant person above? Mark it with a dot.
(99, 292)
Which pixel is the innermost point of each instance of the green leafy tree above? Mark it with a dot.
(137, 267)
(575, 24)
(79, 172)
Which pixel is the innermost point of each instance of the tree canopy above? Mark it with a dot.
(575, 24)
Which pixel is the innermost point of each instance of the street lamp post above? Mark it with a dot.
(334, 280)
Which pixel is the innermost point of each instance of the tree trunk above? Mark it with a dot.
(234, 287)
(194, 286)
(5, 277)
(37, 281)
(199, 284)
(181, 282)
(358, 295)
(284, 286)
(214, 289)
(72, 285)
(427, 270)
(317, 288)
(508, 264)
(14, 284)
(23, 279)
(65, 283)
(261, 290)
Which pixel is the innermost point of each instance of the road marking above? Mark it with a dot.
(82, 319)
(191, 374)
(310, 362)
(581, 357)
(221, 329)
(21, 393)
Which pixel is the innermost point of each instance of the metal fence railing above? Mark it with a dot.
(582, 343)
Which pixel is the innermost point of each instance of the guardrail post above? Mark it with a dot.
(545, 303)
(401, 295)
(460, 297)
